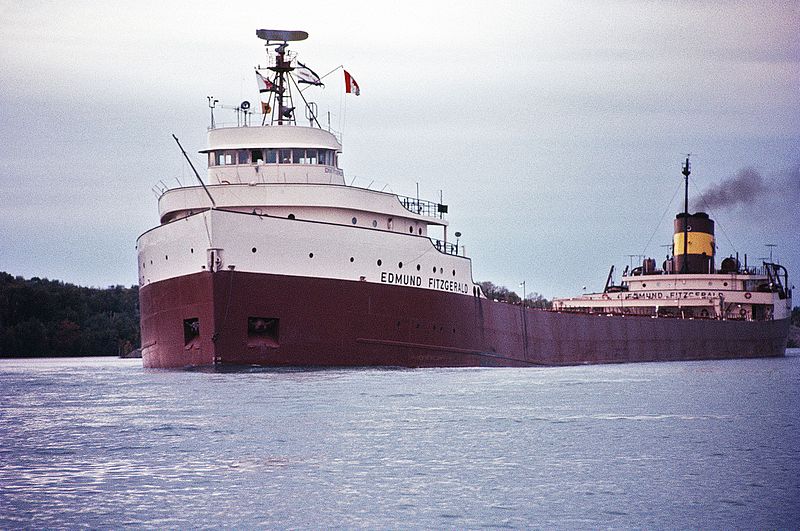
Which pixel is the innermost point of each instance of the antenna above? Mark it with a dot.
(211, 104)
(686, 171)
(281, 35)
(771, 246)
(213, 204)
(632, 256)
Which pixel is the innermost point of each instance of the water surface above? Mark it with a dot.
(102, 442)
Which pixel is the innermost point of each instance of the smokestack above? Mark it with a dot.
(699, 229)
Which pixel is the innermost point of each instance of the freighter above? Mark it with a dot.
(277, 261)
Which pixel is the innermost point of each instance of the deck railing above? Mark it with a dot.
(422, 207)
(445, 247)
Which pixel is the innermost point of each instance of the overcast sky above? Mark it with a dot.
(556, 130)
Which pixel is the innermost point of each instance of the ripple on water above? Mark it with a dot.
(107, 444)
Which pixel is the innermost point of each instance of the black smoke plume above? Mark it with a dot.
(743, 188)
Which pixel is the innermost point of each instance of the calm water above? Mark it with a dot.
(103, 443)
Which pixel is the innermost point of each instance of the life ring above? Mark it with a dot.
(748, 295)
(742, 312)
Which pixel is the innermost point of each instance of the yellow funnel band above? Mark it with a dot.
(699, 243)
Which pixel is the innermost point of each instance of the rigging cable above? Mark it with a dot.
(669, 205)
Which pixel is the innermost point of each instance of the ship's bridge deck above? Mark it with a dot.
(329, 203)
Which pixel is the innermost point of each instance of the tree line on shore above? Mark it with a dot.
(46, 318)
(503, 294)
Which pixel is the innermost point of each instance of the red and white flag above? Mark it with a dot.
(265, 85)
(350, 85)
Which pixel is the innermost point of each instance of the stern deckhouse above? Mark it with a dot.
(688, 283)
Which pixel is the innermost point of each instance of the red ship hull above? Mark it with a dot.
(237, 318)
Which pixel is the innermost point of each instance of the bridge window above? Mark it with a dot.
(225, 158)
(272, 156)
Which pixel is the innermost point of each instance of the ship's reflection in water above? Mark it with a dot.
(104, 443)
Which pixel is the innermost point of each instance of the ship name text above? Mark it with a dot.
(389, 277)
(447, 285)
(672, 295)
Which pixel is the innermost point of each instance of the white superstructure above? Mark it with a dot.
(276, 202)
(753, 294)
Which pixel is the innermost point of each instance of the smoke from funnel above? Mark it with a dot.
(743, 188)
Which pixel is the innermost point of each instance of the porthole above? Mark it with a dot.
(380, 263)
(354, 220)
(191, 250)
(311, 255)
(400, 265)
(166, 257)
(253, 249)
(724, 283)
(434, 269)
(291, 216)
(352, 259)
(441, 270)
(374, 222)
(151, 262)
(454, 272)
(419, 267)
(644, 284)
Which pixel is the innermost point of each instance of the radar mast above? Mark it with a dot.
(279, 88)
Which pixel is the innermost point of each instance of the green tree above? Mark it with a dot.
(41, 317)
